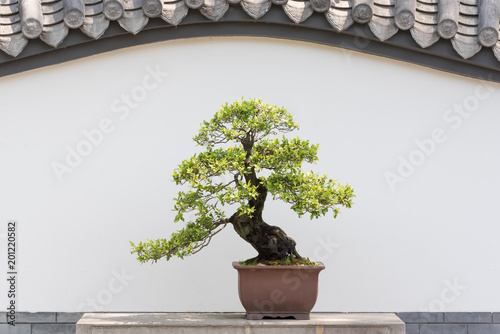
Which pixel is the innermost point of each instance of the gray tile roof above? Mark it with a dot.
(469, 24)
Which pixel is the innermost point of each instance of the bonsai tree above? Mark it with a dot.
(243, 162)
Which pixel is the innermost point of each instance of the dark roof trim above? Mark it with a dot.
(274, 23)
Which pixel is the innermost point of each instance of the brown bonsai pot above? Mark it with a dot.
(278, 291)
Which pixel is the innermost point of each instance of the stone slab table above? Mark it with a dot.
(236, 323)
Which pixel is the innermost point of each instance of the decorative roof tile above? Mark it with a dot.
(174, 12)
(214, 9)
(256, 8)
(469, 25)
(298, 11)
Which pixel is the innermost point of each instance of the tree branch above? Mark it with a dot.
(206, 242)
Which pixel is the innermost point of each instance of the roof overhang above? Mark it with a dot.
(276, 23)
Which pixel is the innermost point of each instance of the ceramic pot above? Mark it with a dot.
(278, 291)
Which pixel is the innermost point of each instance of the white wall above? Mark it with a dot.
(397, 249)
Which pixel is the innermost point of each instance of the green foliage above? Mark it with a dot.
(244, 121)
(309, 192)
(227, 176)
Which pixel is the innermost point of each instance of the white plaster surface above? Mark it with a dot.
(429, 243)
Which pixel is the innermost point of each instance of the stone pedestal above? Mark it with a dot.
(235, 323)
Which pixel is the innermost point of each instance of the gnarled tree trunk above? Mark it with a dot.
(271, 242)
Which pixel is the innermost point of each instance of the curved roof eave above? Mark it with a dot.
(295, 20)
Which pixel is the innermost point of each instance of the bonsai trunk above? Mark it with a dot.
(271, 242)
